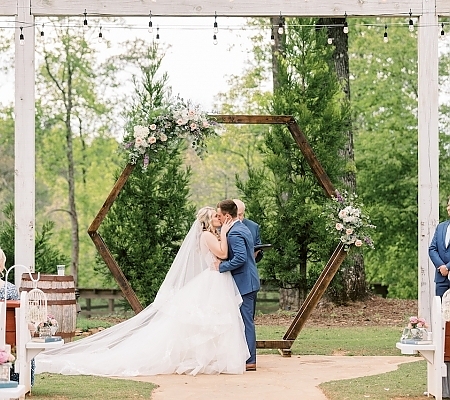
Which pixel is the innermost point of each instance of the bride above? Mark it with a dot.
(193, 326)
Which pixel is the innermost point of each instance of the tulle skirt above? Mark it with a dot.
(199, 330)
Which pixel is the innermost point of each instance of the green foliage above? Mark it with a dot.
(384, 103)
(151, 215)
(289, 199)
(47, 256)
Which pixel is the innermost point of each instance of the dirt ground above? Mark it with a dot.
(374, 311)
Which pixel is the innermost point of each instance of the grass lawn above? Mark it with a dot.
(409, 381)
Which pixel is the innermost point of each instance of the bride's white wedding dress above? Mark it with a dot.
(193, 326)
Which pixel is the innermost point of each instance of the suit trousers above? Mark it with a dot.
(248, 308)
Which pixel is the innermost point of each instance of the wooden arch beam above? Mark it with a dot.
(283, 345)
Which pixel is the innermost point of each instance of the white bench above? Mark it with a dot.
(432, 353)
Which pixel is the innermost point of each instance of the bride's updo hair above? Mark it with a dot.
(205, 216)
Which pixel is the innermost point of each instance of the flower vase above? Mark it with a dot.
(5, 370)
(45, 331)
(418, 333)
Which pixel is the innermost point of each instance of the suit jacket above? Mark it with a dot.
(254, 229)
(241, 261)
(438, 252)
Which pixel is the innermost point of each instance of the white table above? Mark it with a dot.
(13, 393)
(432, 353)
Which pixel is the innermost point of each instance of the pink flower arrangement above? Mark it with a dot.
(6, 357)
(415, 322)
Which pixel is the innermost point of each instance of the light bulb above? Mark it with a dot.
(411, 25)
(21, 37)
(345, 27)
(272, 39)
(442, 31)
(85, 24)
(280, 28)
(42, 31)
(150, 27)
(385, 38)
(215, 39)
(216, 27)
(330, 40)
(100, 37)
(157, 34)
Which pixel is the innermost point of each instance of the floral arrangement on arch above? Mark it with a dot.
(346, 220)
(167, 126)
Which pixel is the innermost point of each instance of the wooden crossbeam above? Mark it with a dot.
(255, 8)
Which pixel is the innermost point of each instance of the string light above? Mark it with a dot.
(385, 36)
(157, 33)
(281, 25)
(100, 35)
(215, 39)
(42, 31)
(85, 23)
(330, 40)
(345, 24)
(216, 27)
(272, 39)
(442, 31)
(21, 38)
(150, 24)
(411, 23)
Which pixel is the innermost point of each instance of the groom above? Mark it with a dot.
(241, 263)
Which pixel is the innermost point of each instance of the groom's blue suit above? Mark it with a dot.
(440, 255)
(241, 263)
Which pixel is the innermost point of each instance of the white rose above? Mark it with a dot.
(358, 243)
(349, 231)
(339, 226)
(163, 137)
(151, 139)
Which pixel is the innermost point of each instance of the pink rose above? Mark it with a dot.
(339, 227)
(358, 243)
(152, 139)
(4, 356)
(349, 231)
(193, 126)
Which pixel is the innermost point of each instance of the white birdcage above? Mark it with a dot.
(445, 306)
(36, 307)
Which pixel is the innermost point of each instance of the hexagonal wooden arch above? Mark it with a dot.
(284, 345)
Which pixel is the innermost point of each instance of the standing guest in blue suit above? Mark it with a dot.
(241, 263)
(439, 252)
(252, 225)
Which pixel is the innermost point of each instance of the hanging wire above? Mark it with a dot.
(85, 23)
(215, 26)
(150, 24)
(411, 23)
(345, 29)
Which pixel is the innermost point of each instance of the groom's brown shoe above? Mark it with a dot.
(250, 367)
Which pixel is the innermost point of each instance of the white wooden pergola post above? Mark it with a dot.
(427, 11)
(24, 144)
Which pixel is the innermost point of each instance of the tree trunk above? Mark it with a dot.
(71, 183)
(353, 276)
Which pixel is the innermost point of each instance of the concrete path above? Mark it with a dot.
(294, 378)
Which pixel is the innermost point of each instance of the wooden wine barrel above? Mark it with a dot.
(61, 300)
